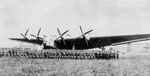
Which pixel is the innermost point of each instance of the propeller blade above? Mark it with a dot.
(39, 38)
(88, 32)
(86, 40)
(79, 36)
(58, 31)
(64, 32)
(61, 34)
(81, 30)
(39, 32)
(83, 35)
(57, 38)
(21, 34)
(33, 35)
(24, 36)
(63, 40)
(26, 32)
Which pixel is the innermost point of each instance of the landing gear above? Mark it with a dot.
(73, 47)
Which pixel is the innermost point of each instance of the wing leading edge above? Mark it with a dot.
(34, 41)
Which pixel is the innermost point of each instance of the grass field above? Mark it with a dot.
(129, 64)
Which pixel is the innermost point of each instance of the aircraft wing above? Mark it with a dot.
(110, 40)
(34, 41)
(118, 40)
(131, 41)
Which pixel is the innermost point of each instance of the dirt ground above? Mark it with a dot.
(130, 64)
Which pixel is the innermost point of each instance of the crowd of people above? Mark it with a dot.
(60, 54)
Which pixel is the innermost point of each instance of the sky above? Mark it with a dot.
(106, 17)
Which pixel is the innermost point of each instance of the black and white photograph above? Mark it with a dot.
(74, 38)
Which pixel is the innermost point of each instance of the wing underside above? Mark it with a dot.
(118, 40)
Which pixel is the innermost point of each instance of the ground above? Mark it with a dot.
(129, 64)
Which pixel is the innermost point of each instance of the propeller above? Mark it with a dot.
(83, 35)
(24, 35)
(61, 35)
(37, 36)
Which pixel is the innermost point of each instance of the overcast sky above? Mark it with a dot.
(106, 17)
